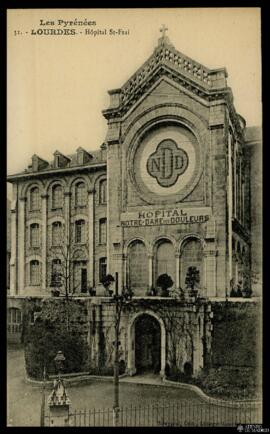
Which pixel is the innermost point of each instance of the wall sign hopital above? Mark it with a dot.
(157, 217)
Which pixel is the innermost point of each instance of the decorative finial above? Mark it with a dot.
(164, 40)
(163, 30)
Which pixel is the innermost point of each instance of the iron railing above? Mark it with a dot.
(182, 413)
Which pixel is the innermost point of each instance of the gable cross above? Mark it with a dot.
(163, 30)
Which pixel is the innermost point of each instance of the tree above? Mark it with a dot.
(176, 329)
(164, 281)
(106, 282)
(120, 301)
(62, 275)
(192, 278)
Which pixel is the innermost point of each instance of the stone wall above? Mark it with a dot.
(185, 329)
(236, 339)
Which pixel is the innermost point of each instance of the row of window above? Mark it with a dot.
(238, 181)
(58, 197)
(58, 273)
(57, 233)
(14, 320)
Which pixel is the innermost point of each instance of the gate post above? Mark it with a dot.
(59, 404)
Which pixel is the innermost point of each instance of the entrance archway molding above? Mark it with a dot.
(131, 366)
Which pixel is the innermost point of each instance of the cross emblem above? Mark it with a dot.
(163, 30)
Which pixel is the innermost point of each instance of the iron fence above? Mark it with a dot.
(181, 414)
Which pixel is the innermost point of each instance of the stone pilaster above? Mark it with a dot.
(21, 244)
(13, 256)
(210, 272)
(177, 271)
(124, 271)
(44, 198)
(67, 196)
(197, 352)
(150, 271)
(91, 222)
(230, 207)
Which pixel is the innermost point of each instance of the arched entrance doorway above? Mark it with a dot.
(140, 331)
(147, 344)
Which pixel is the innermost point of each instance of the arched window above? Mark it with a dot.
(34, 273)
(14, 320)
(34, 199)
(103, 231)
(80, 194)
(191, 256)
(80, 231)
(137, 267)
(56, 276)
(165, 260)
(103, 191)
(57, 233)
(102, 268)
(57, 197)
(34, 235)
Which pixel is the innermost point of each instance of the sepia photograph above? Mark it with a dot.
(134, 218)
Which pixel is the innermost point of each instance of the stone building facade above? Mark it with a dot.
(169, 189)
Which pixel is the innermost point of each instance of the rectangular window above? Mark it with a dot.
(34, 199)
(80, 231)
(57, 197)
(102, 268)
(56, 233)
(103, 231)
(34, 235)
(80, 194)
(34, 273)
(103, 191)
(56, 277)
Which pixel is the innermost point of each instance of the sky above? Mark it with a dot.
(58, 85)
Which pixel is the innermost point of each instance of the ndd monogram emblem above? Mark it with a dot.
(167, 163)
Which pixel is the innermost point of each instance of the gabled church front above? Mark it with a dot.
(178, 176)
(170, 189)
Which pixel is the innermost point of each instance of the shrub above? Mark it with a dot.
(43, 342)
(164, 281)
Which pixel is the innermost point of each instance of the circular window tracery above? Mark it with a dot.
(167, 163)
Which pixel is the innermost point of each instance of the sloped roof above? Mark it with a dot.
(253, 134)
(167, 60)
(98, 157)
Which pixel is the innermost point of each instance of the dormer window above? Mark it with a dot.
(57, 161)
(38, 163)
(60, 160)
(83, 156)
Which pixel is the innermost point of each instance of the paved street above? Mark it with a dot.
(24, 399)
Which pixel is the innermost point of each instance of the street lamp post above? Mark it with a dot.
(42, 410)
(119, 300)
(116, 355)
(59, 361)
(58, 400)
